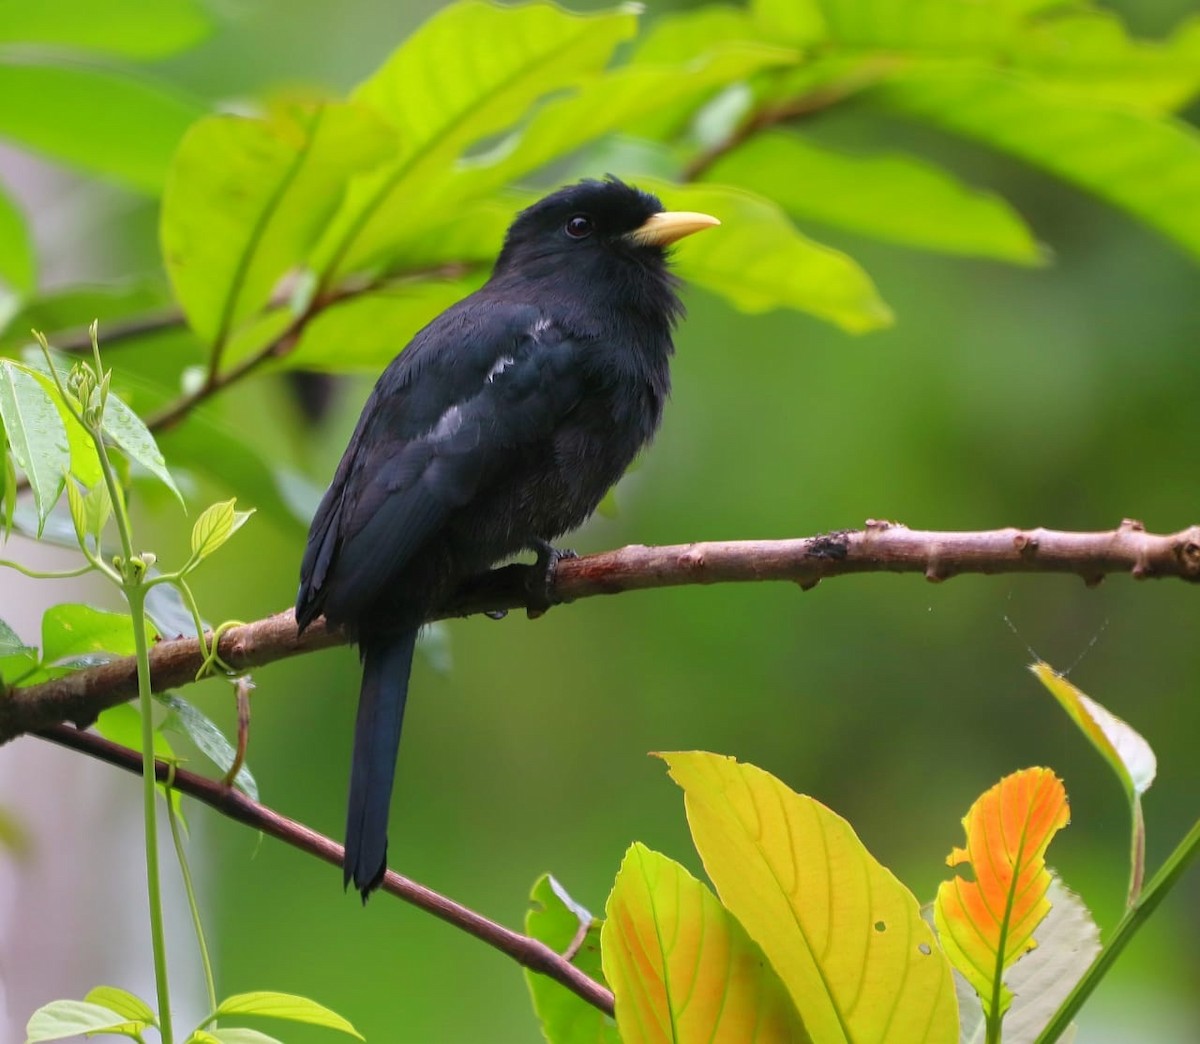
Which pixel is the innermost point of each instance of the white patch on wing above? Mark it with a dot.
(500, 365)
(448, 423)
(540, 327)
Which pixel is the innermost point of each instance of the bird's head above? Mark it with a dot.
(586, 227)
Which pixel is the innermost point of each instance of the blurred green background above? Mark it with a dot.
(1063, 397)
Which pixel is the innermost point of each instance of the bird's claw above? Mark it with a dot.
(212, 663)
(539, 588)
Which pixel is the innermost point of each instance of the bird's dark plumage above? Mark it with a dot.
(500, 427)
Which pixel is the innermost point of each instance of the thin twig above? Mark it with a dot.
(529, 953)
(881, 547)
(120, 333)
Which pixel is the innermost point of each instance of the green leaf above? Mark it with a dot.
(69, 309)
(10, 643)
(470, 71)
(128, 431)
(188, 720)
(610, 103)
(937, 27)
(219, 451)
(246, 198)
(758, 261)
(215, 525)
(68, 1018)
(115, 124)
(36, 435)
(123, 1003)
(97, 509)
(8, 492)
(893, 197)
(85, 460)
(556, 919)
(285, 1006)
(1089, 52)
(18, 661)
(78, 513)
(123, 725)
(366, 332)
(71, 632)
(793, 21)
(1128, 754)
(17, 266)
(1145, 164)
(129, 28)
(232, 1035)
(682, 36)
(681, 966)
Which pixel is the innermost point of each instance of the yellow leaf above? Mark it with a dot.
(987, 923)
(1126, 752)
(681, 968)
(845, 936)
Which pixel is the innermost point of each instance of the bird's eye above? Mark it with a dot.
(579, 226)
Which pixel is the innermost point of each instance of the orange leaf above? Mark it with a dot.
(681, 968)
(985, 924)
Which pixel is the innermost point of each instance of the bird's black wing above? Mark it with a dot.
(441, 425)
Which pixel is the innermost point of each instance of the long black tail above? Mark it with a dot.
(386, 665)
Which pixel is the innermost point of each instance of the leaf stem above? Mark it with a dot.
(189, 888)
(136, 597)
(1135, 916)
(65, 574)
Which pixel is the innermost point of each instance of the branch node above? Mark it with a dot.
(808, 583)
(1132, 525)
(1026, 544)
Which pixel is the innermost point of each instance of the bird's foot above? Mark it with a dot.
(539, 587)
(213, 664)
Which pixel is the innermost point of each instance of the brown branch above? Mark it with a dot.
(881, 547)
(773, 114)
(282, 345)
(79, 339)
(528, 952)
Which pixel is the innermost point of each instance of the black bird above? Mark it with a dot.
(499, 427)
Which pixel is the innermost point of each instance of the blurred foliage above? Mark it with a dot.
(924, 154)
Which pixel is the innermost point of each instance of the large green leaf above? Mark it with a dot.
(72, 308)
(758, 261)
(115, 124)
(894, 197)
(290, 1006)
(1090, 52)
(367, 332)
(246, 198)
(131, 28)
(1148, 165)
(61, 1019)
(130, 433)
(17, 266)
(188, 720)
(615, 100)
(921, 25)
(555, 919)
(473, 70)
(73, 633)
(36, 436)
